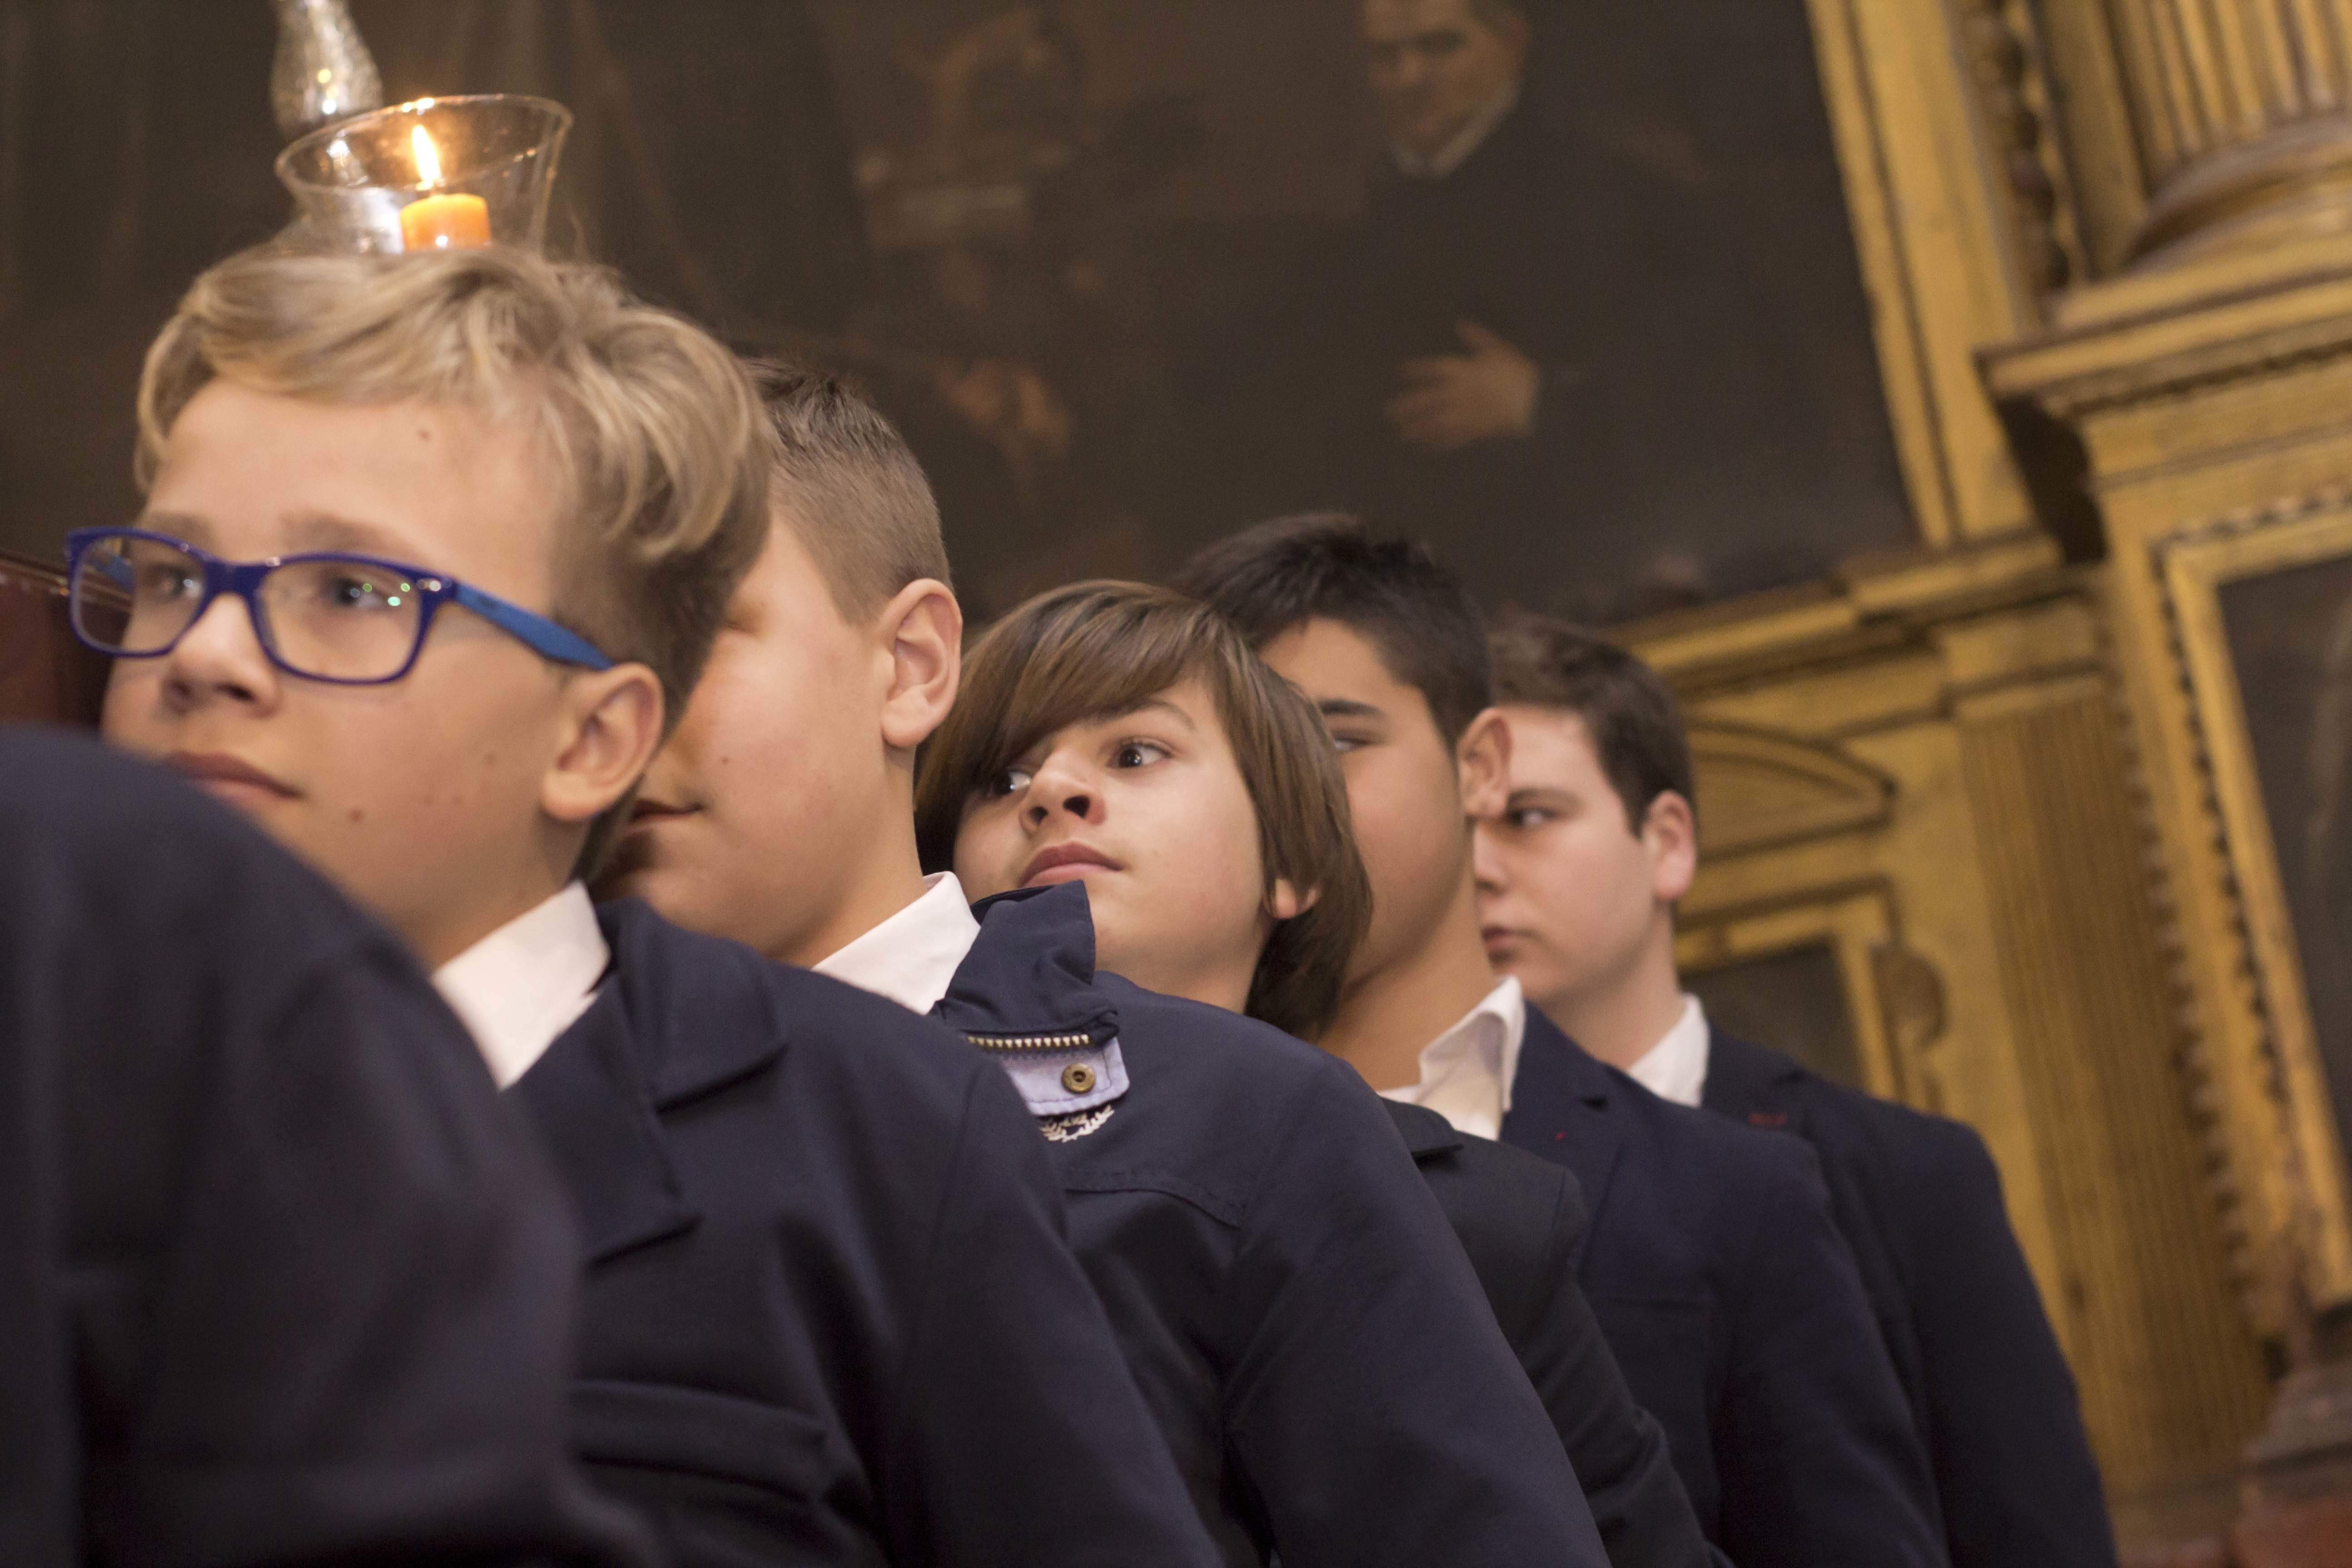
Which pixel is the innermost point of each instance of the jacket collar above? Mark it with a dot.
(1561, 1108)
(669, 1026)
(1031, 971)
(1426, 1133)
(1753, 1084)
(702, 1011)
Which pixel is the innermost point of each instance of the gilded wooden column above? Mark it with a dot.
(2240, 109)
(1922, 775)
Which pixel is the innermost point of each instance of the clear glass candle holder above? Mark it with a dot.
(439, 171)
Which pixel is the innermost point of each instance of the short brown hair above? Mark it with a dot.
(1636, 728)
(1098, 648)
(1393, 593)
(651, 423)
(851, 487)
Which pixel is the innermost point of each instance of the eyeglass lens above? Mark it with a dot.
(335, 617)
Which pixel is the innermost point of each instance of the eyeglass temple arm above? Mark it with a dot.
(542, 635)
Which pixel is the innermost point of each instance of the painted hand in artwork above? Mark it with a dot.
(1453, 401)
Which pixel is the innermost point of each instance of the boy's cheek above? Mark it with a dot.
(125, 716)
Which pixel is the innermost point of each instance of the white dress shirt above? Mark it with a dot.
(1675, 1068)
(1467, 1072)
(911, 957)
(519, 988)
(1467, 140)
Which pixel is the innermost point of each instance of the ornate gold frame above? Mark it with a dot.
(1857, 925)
(2192, 568)
(1947, 261)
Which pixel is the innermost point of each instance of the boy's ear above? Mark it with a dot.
(1670, 834)
(611, 726)
(921, 630)
(1285, 902)
(1484, 756)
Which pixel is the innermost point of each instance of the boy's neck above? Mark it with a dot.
(452, 931)
(883, 879)
(1391, 1014)
(1622, 1021)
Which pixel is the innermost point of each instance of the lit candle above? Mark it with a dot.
(450, 221)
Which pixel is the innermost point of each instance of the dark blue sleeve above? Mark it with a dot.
(356, 1340)
(1019, 1435)
(1377, 1413)
(1823, 1465)
(1618, 1448)
(2014, 1466)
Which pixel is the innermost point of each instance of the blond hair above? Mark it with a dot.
(849, 488)
(651, 425)
(1093, 650)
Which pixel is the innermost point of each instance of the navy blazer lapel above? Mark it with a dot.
(595, 1115)
(1560, 1109)
(701, 1012)
(1750, 1084)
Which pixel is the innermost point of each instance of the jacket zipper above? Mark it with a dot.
(1032, 1042)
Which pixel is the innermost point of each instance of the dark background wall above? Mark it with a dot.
(1089, 253)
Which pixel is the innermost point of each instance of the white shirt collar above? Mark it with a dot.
(1467, 140)
(1467, 1072)
(1675, 1068)
(519, 988)
(911, 957)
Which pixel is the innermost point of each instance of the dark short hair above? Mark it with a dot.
(849, 488)
(1393, 593)
(1636, 728)
(1093, 650)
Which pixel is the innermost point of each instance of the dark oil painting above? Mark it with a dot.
(1567, 289)
(1794, 1001)
(2290, 642)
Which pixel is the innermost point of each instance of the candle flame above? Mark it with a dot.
(428, 160)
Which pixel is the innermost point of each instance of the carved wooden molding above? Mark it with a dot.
(2188, 565)
(2012, 87)
(1934, 232)
(1758, 790)
(1893, 997)
(2180, 352)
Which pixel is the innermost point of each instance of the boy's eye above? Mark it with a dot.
(349, 591)
(1138, 755)
(1011, 781)
(160, 580)
(1343, 744)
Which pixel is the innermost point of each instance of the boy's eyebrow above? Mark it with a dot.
(1161, 703)
(308, 530)
(326, 531)
(1346, 707)
(185, 526)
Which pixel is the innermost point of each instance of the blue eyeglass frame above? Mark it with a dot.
(244, 578)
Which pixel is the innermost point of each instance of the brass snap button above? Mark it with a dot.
(1078, 1077)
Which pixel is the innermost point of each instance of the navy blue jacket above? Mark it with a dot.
(1733, 1305)
(1314, 1343)
(831, 1315)
(1521, 1220)
(1919, 1200)
(280, 1279)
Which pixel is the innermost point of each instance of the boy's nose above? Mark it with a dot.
(1076, 802)
(1485, 861)
(219, 656)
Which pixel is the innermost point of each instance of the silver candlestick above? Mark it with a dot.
(323, 71)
